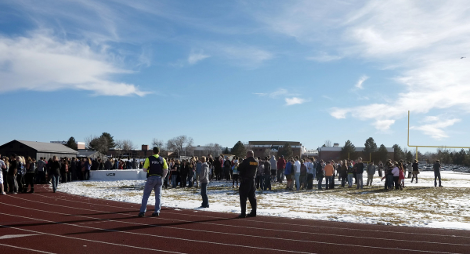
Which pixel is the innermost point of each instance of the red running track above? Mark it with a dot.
(46, 222)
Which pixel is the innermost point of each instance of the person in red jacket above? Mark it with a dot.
(281, 164)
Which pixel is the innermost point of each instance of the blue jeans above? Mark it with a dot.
(55, 181)
(153, 183)
(173, 181)
(205, 199)
(328, 180)
(350, 179)
(297, 180)
(359, 181)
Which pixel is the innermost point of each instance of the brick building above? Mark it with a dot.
(265, 148)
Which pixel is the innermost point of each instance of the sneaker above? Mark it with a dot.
(141, 215)
(155, 214)
(15, 192)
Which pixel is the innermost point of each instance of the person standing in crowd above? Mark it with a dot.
(370, 173)
(29, 176)
(260, 175)
(64, 168)
(329, 174)
(396, 175)
(415, 173)
(303, 175)
(437, 173)
(401, 177)
(55, 173)
(320, 174)
(350, 173)
(235, 176)
(380, 168)
(20, 173)
(227, 168)
(281, 164)
(175, 170)
(388, 175)
(409, 169)
(359, 171)
(297, 172)
(192, 168)
(199, 170)
(310, 172)
(3, 166)
(204, 179)
(273, 163)
(156, 168)
(108, 165)
(3, 161)
(41, 167)
(267, 174)
(184, 171)
(217, 167)
(288, 173)
(12, 175)
(247, 172)
(343, 172)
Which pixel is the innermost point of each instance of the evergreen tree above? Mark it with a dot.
(226, 151)
(348, 151)
(286, 151)
(398, 153)
(383, 153)
(409, 156)
(109, 140)
(369, 147)
(72, 143)
(239, 149)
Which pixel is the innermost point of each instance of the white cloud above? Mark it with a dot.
(244, 55)
(435, 127)
(43, 62)
(196, 56)
(383, 125)
(360, 82)
(275, 94)
(294, 101)
(423, 41)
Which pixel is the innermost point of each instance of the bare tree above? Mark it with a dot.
(158, 143)
(180, 143)
(127, 145)
(214, 149)
(328, 143)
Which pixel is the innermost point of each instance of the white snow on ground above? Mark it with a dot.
(419, 204)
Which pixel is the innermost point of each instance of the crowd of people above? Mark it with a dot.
(19, 174)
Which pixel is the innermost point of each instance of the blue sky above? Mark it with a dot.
(223, 71)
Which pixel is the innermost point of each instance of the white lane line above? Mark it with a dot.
(141, 234)
(82, 239)
(275, 238)
(22, 248)
(14, 236)
(265, 229)
(279, 223)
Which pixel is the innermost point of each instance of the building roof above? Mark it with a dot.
(47, 147)
(274, 143)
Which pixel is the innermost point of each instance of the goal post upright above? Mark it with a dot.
(408, 141)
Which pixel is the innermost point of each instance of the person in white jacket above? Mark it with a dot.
(204, 180)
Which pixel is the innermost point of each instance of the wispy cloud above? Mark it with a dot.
(274, 94)
(294, 101)
(244, 55)
(423, 44)
(196, 56)
(324, 57)
(435, 126)
(360, 82)
(43, 62)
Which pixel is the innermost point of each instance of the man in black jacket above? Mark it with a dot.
(247, 173)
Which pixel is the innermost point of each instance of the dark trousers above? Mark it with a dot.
(247, 190)
(12, 184)
(41, 177)
(320, 181)
(20, 181)
(29, 179)
(63, 177)
(437, 175)
(329, 179)
(259, 182)
(205, 199)
(395, 181)
(343, 180)
(267, 182)
(183, 180)
(309, 181)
